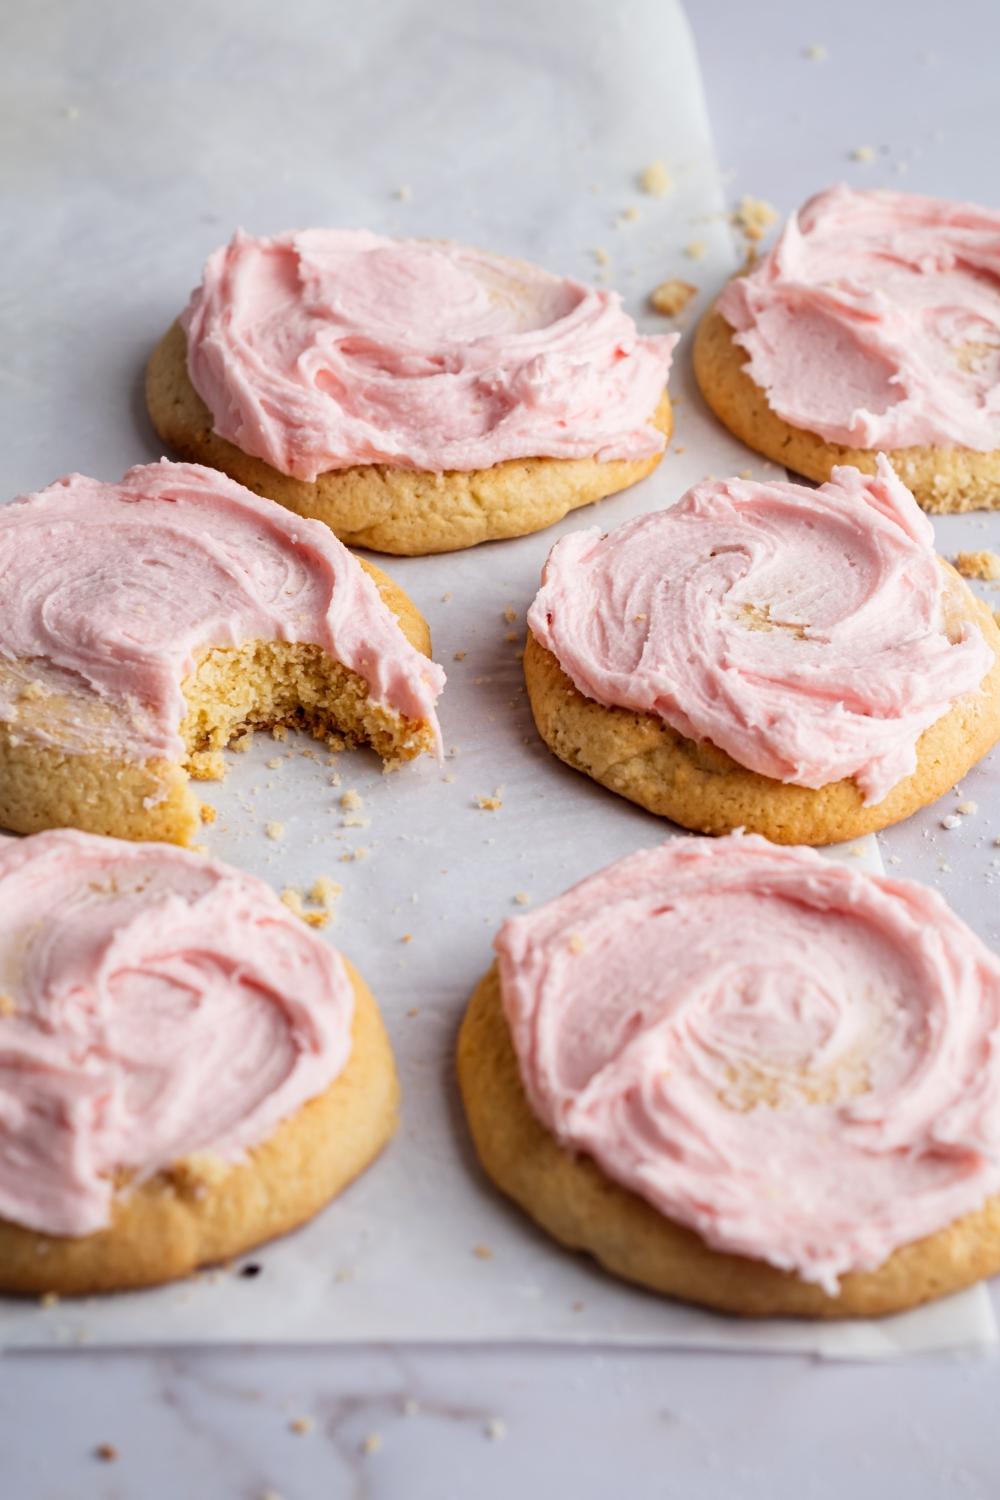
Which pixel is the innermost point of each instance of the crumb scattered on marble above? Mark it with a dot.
(371, 1444)
(694, 249)
(407, 937)
(510, 614)
(301, 1425)
(274, 763)
(106, 1452)
(521, 898)
(460, 655)
(655, 180)
(275, 831)
(242, 742)
(491, 804)
(601, 256)
(495, 1429)
(984, 565)
(967, 808)
(856, 851)
(482, 1252)
(404, 192)
(279, 732)
(863, 153)
(754, 217)
(207, 813)
(815, 52)
(351, 800)
(324, 891)
(628, 216)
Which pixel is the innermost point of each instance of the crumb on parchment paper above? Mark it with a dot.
(672, 296)
(984, 565)
(655, 180)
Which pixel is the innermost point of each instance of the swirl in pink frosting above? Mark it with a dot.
(114, 589)
(808, 633)
(796, 1060)
(319, 349)
(875, 321)
(157, 1004)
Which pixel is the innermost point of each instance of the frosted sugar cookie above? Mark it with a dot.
(186, 1070)
(416, 395)
(872, 325)
(765, 656)
(145, 624)
(748, 1077)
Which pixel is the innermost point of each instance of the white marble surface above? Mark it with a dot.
(468, 1422)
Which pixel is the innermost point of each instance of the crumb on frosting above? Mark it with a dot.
(984, 565)
(672, 296)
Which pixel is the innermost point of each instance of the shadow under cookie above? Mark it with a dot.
(581, 1207)
(403, 511)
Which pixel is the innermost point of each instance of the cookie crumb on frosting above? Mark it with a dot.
(671, 296)
(984, 565)
(655, 180)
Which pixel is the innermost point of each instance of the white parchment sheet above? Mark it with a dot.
(521, 127)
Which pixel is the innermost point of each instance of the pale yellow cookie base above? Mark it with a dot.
(205, 1210)
(942, 479)
(700, 787)
(258, 685)
(403, 511)
(575, 1202)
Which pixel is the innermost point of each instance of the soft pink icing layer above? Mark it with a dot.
(116, 589)
(323, 348)
(796, 1060)
(875, 321)
(165, 1005)
(808, 633)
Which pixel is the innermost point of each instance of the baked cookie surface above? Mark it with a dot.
(159, 620)
(872, 325)
(267, 1158)
(944, 480)
(393, 510)
(708, 1066)
(797, 663)
(568, 1196)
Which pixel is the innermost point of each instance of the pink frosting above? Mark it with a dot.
(114, 589)
(811, 634)
(322, 348)
(796, 1060)
(163, 1005)
(875, 321)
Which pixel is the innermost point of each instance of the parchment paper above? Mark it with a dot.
(521, 127)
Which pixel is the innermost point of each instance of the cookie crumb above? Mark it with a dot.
(510, 614)
(48, 1299)
(275, 831)
(984, 565)
(460, 655)
(274, 763)
(407, 937)
(671, 296)
(278, 732)
(301, 1425)
(241, 744)
(967, 808)
(207, 813)
(8, 1005)
(107, 1453)
(495, 1429)
(655, 180)
(324, 891)
(951, 821)
(482, 1252)
(815, 52)
(863, 153)
(404, 192)
(576, 943)
(694, 249)
(351, 801)
(754, 217)
(491, 804)
(628, 216)
(371, 1444)
(521, 898)
(601, 256)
